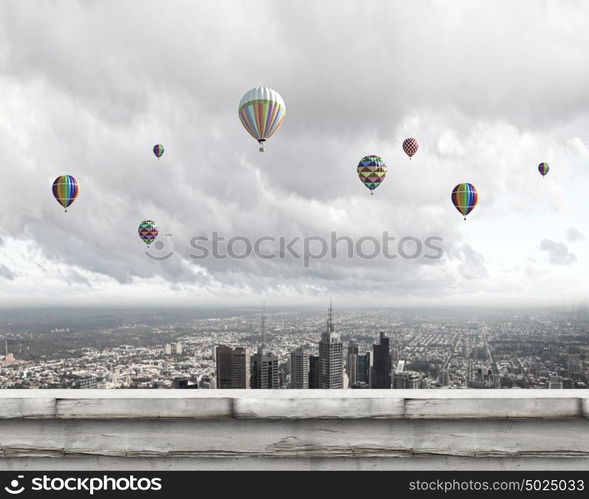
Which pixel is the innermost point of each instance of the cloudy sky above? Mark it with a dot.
(490, 89)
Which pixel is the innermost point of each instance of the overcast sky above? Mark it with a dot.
(489, 89)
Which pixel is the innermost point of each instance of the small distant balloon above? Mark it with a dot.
(465, 197)
(410, 146)
(543, 169)
(372, 171)
(262, 112)
(65, 190)
(148, 231)
(158, 150)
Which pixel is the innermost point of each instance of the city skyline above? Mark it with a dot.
(300, 349)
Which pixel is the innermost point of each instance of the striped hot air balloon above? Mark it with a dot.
(465, 197)
(372, 171)
(410, 147)
(543, 169)
(158, 150)
(148, 231)
(65, 190)
(262, 112)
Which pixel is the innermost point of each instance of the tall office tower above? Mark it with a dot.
(299, 369)
(313, 371)
(233, 367)
(401, 378)
(352, 362)
(370, 364)
(363, 368)
(382, 363)
(223, 356)
(331, 358)
(265, 372)
(240, 368)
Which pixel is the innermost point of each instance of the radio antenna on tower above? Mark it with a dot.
(264, 326)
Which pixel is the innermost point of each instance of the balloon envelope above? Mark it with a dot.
(262, 112)
(372, 171)
(158, 150)
(465, 197)
(410, 146)
(543, 168)
(148, 231)
(65, 190)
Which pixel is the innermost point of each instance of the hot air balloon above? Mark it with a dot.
(410, 147)
(543, 169)
(262, 112)
(465, 197)
(158, 150)
(148, 231)
(372, 171)
(65, 190)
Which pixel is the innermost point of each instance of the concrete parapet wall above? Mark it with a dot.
(294, 429)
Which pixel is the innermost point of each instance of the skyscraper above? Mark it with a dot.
(233, 367)
(240, 368)
(299, 369)
(313, 371)
(223, 355)
(364, 366)
(401, 377)
(264, 368)
(352, 362)
(382, 363)
(331, 361)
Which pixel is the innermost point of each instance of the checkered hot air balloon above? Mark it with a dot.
(372, 171)
(410, 147)
(465, 197)
(65, 190)
(158, 150)
(148, 231)
(262, 112)
(543, 169)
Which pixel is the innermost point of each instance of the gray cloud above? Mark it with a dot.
(573, 235)
(471, 262)
(558, 253)
(6, 273)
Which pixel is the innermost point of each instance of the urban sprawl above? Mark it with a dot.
(301, 350)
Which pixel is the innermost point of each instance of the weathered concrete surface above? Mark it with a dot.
(294, 429)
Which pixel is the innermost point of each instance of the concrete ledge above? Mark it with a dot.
(294, 404)
(311, 429)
